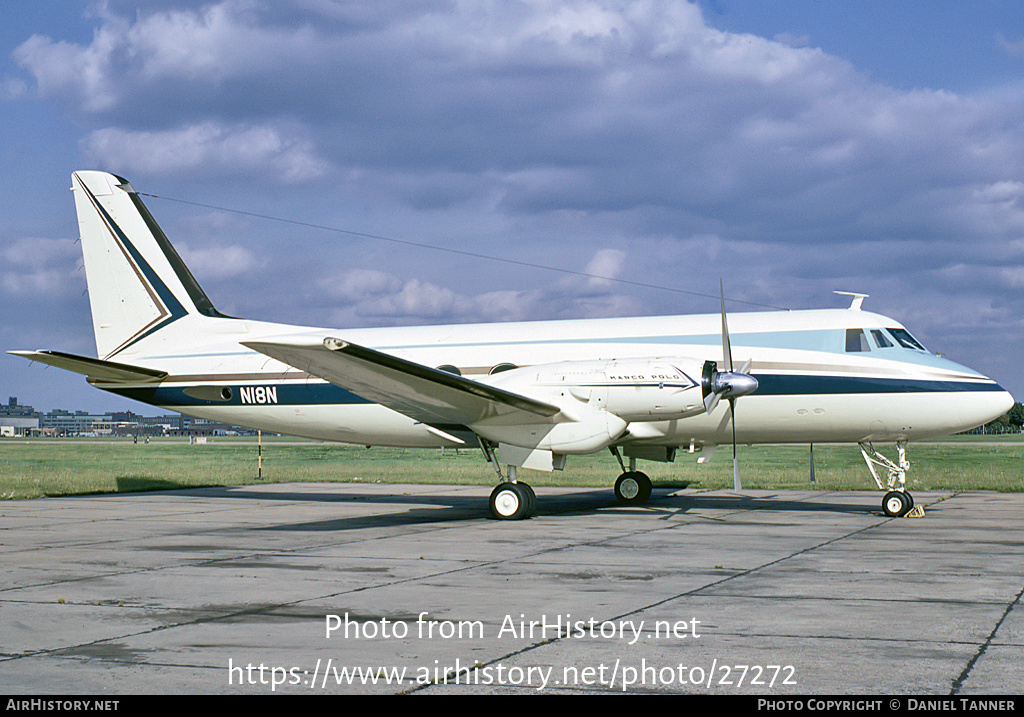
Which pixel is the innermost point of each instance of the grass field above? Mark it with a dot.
(49, 467)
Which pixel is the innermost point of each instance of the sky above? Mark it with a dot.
(787, 149)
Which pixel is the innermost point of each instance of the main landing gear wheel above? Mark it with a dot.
(897, 503)
(633, 488)
(513, 501)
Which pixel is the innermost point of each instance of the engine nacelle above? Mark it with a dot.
(640, 389)
(589, 431)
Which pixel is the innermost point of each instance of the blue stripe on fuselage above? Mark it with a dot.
(288, 394)
(322, 393)
(790, 385)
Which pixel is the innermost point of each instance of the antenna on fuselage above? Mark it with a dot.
(858, 299)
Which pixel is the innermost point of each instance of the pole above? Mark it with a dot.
(812, 463)
(259, 455)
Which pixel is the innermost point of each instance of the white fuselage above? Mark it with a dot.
(814, 385)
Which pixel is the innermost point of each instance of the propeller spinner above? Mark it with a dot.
(716, 385)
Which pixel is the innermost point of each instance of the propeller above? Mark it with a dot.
(728, 384)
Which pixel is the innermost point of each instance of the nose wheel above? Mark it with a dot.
(897, 503)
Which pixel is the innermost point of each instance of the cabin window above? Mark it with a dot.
(856, 341)
(502, 367)
(448, 368)
(880, 340)
(906, 340)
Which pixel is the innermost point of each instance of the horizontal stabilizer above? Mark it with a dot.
(93, 368)
(420, 392)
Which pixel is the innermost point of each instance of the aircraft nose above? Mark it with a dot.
(1004, 402)
(991, 405)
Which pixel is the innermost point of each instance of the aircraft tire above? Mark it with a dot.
(512, 501)
(633, 488)
(897, 503)
(532, 505)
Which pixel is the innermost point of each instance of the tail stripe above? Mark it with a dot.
(163, 298)
(195, 292)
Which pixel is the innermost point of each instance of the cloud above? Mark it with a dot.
(209, 145)
(359, 284)
(38, 252)
(34, 269)
(218, 262)
(634, 136)
(606, 264)
(549, 106)
(362, 296)
(1008, 46)
(127, 54)
(793, 40)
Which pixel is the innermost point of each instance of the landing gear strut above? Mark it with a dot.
(897, 501)
(510, 499)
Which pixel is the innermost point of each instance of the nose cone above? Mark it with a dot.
(974, 399)
(1002, 402)
(976, 408)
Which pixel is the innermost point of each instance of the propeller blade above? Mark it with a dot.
(736, 485)
(726, 346)
(729, 387)
(728, 384)
(711, 402)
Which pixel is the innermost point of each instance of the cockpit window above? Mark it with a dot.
(880, 340)
(906, 340)
(856, 341)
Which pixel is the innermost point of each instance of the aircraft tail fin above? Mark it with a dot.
(137, 282)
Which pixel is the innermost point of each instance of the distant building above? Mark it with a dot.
(66, 423)
(17, 420)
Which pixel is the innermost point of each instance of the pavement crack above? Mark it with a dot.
(958, 683)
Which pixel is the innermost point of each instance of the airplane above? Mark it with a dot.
(527, 394)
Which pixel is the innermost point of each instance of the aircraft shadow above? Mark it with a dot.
(779, 502)
(142, 484)
(440, 509)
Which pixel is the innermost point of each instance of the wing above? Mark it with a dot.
(93, 368)
(420, 392)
